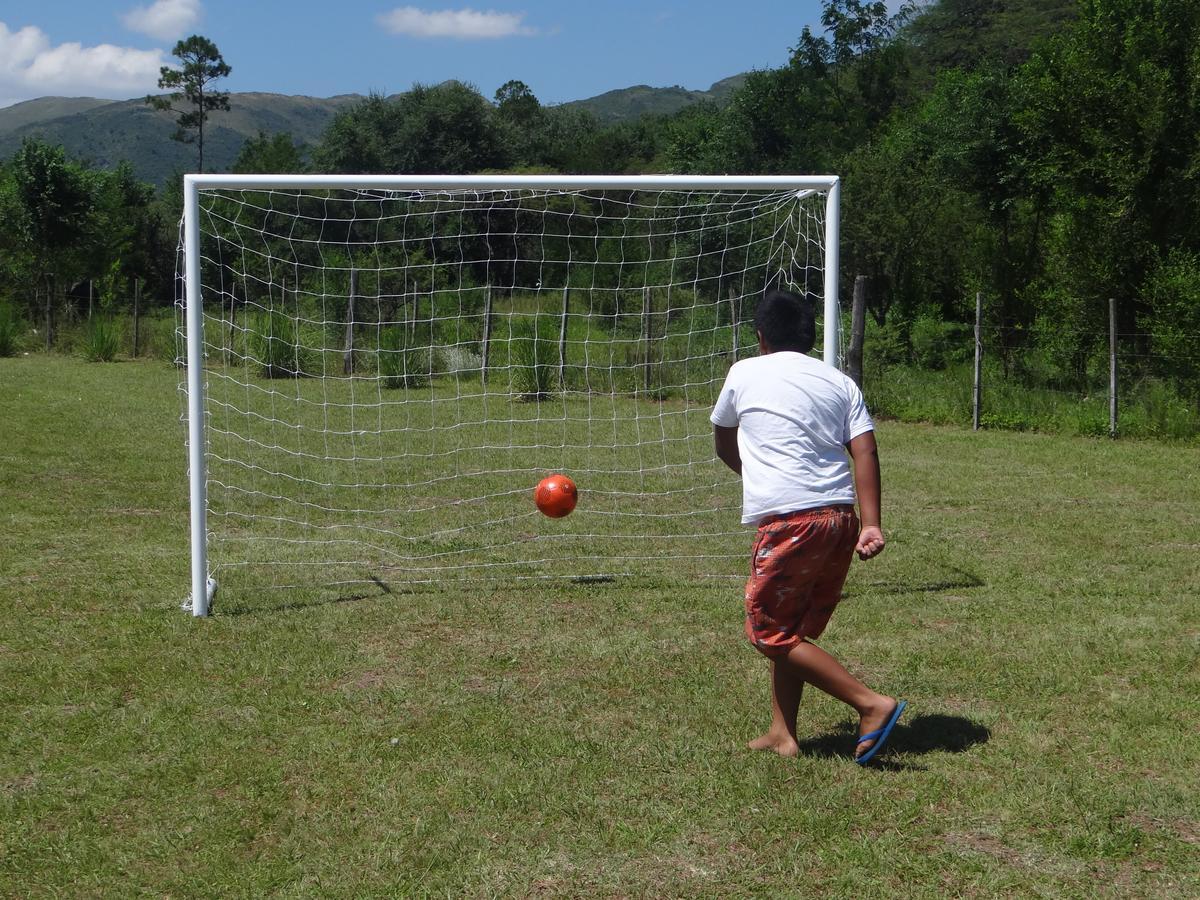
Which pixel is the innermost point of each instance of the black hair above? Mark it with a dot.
(786, 321)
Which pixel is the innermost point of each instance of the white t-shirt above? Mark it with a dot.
(794, 415)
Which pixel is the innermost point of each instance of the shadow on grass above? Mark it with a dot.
(290, 606)
(957, 580)
(932, 733)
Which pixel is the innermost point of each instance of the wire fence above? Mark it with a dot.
(1075, 381)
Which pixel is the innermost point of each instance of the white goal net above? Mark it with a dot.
(381, 369)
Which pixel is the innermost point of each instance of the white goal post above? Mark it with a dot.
(380, 368)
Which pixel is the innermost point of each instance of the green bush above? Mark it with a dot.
(936, 344)
(1173, 291)
(160, 336)
(533, 355)
(403, 359)
(883, 345)
(1155, 408)
(11, 327)
(274, 345)
(101, 338)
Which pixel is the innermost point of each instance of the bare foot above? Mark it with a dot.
(784, 745)
(872, 718)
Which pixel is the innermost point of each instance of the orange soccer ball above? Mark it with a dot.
(556, 496)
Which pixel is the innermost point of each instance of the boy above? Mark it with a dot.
(784, 422)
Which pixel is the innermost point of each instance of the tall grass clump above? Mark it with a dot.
(533, 355)
(159, 337)
(404, 360)
(101, 338)
(10, 330)
(1154, 408)
(274, 345)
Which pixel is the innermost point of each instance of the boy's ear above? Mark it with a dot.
(763, 348)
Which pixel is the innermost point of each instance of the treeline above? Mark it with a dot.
(1043, 153)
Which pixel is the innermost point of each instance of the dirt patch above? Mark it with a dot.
(371, 680)
(1185, 830)
(21, 784)
(1027, 860)
(989, 846)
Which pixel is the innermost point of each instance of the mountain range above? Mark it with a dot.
(105, 132)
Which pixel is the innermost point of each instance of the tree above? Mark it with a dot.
(51, 204)
(274, 154)
(837, 88)
(445, 129)
(523, 121)
(964, 34)
(202, 64)
(130, 241)
(1109, 120)
(517, 103)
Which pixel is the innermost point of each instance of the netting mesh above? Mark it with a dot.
(389, 373)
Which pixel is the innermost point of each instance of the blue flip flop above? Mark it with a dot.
(880, 735)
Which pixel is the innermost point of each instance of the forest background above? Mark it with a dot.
(1043, 154)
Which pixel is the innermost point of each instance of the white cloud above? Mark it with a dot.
(31, 67)
(460, 24)
(164, 19)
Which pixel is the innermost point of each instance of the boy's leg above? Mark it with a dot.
(786, 688)
(810, 663)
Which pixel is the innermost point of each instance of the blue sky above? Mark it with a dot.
(563, 50)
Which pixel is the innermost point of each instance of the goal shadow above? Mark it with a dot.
(382, 589)
(952, 578)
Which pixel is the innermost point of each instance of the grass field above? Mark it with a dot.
(1037, 605)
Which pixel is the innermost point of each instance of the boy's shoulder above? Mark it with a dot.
(785, 361)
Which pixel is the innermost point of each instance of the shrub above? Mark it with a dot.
(10, 330)
(533, 355)
(101, 338)
(403, 360)
(160, 336)
(883, 345)
(275, 346)
(935, 343)
(1173, 290)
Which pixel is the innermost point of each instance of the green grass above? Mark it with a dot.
(1036, 605)
(1148, 408)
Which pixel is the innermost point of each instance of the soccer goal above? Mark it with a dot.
(379, 370)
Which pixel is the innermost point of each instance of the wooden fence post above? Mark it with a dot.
(485, 344)
(646, 338)
(562, 341)
(977, 396)
(137, 297)
(50, 285)
(858, 327)
(348, 351)
(1112, 367)
(733, 321)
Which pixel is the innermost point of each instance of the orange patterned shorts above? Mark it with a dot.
(797, 570)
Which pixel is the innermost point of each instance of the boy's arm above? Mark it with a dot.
(727, 446)
(865, 453)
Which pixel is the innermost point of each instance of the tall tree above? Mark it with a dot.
(51, 205)
(445, 129)
(1110, 117)
(192, 98)
(964, 34)
(837, 87)
(521, 119)
(275, 154)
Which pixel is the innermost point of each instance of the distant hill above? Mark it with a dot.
(627, 104)
(105, 132)
(31, 112)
